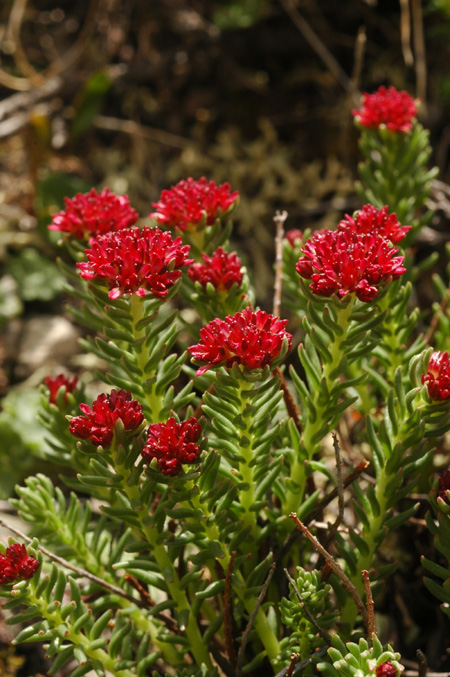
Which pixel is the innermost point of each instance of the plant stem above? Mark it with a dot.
(364, 561)
(52, 614)
(88, 560)
(246, 440)
(265, 632)
(166, 566)
(373, 533)
(307, 448)
(142, 352)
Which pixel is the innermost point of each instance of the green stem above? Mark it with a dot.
(88, 561)
(166, 566)
(336, 349)
(265, 632)
(246, 441)
(147, 625)
(371, 534)
(307, 448)
(193, 634)
(52, 614)
(153, 401)
(364, 562)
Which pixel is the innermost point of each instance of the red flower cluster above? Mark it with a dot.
(437, 377)
(343, 262)
(91, 214)
(173, 444)
(444, 486)
(136, 262)
(388, 107)
(17, 564)
(386, 670)
(192, 204)
(98, 423)
(60, 381)
(252, 339)
(221, 269)
(369, 219)
(294, 235)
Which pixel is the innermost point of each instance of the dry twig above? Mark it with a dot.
(318, 46)
(295, 657)
(340, 490)
(26, 100)
(405, 30)
(303, 664)
(279, 218)
(419, 50)
(135, 129)
(319, 508)
(356, 472)
(346, 582)
(370, 605)
(358, 58)
(60, 65)
(13, 34)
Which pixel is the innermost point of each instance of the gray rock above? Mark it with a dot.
(46, 340)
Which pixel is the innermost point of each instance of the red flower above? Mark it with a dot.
(437, 377)
(343, 262)
(8, 571)
(386, 670)
(17, 563)
(91, 214)
(294, 235)
(444, 486)
(26, 565)
(99, 422)
(192, 204)
(221, 269)
(136, 262)
(60, 381)
(387, 107)
(252, 339)
(369, 219)
(173, 444)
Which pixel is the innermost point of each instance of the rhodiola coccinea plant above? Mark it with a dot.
(99, 421)
(387, 107)
(197, 209)
(218, 430)
(372, 221)
(194, 205)
(88, 216)
(136, 261)
(345, 262)
(16, 563)
(60, 382)
(396, 151)
(173, 444)
(221, 270)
